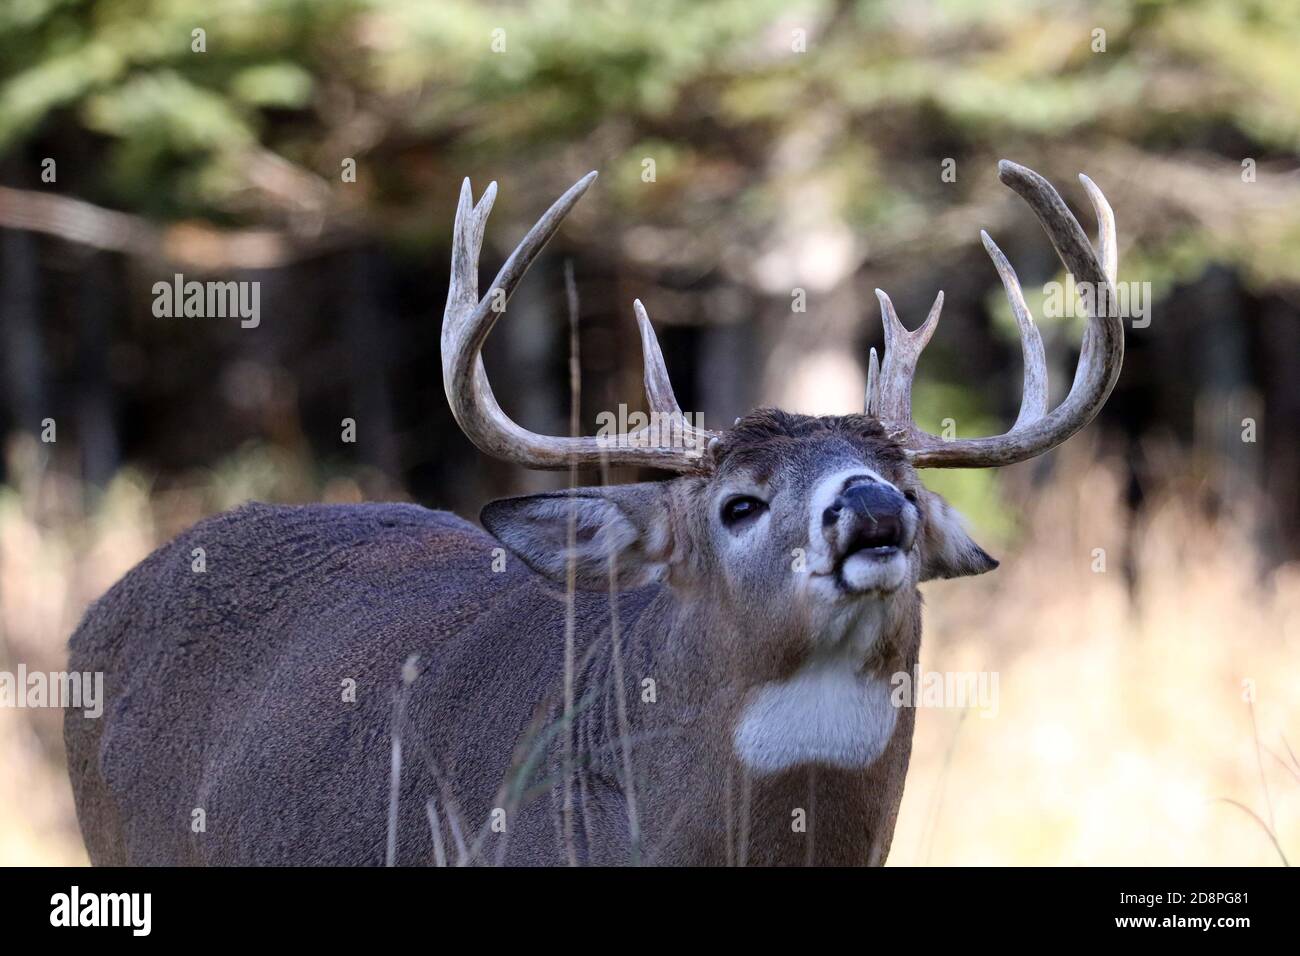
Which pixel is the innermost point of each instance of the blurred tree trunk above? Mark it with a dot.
(724, 380)
(814, 361)
(96, 425)
(1278, 442)
(24, 367)
(367, 331)
(532, 356)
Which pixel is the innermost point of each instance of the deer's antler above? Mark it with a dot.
(669, 441)
(889, 392)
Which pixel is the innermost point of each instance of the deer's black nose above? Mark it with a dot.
(869, 515)
(866, 499)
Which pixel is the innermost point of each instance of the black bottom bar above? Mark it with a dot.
(341, 905)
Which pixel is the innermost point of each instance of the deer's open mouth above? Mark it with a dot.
(880, 538)
(872, 560)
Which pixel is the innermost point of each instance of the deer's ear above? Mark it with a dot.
(948, 550)
(625, 527)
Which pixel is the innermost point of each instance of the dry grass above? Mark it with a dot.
(1123, 723)
(1122, 728)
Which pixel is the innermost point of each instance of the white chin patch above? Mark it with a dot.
(870, 572)
(824, 714)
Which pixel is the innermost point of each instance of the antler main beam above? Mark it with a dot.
(889, 397)
(668, 441)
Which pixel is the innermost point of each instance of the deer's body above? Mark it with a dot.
(225, 694)
(732, 703)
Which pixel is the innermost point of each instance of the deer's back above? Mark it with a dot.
(227, 735)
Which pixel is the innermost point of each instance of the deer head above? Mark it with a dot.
(792, 545)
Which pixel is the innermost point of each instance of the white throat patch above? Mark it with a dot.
(826, 713)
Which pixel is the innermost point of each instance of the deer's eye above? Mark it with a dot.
(740, 509)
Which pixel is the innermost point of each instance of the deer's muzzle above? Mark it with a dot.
(869, 519)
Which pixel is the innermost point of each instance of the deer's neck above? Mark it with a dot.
(717, 762)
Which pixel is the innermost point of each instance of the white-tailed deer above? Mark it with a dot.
(719, 675)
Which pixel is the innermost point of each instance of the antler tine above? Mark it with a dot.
(1100, 357)
(467, 242)
(1033, 395)
(872, 405)
(1102, 352)
(902, 351)
(467, 321)
(1107, 244)
(1108, 256)
(466, 327)
(658, 387)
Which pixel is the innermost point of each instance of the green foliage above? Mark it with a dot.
(492, 79)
